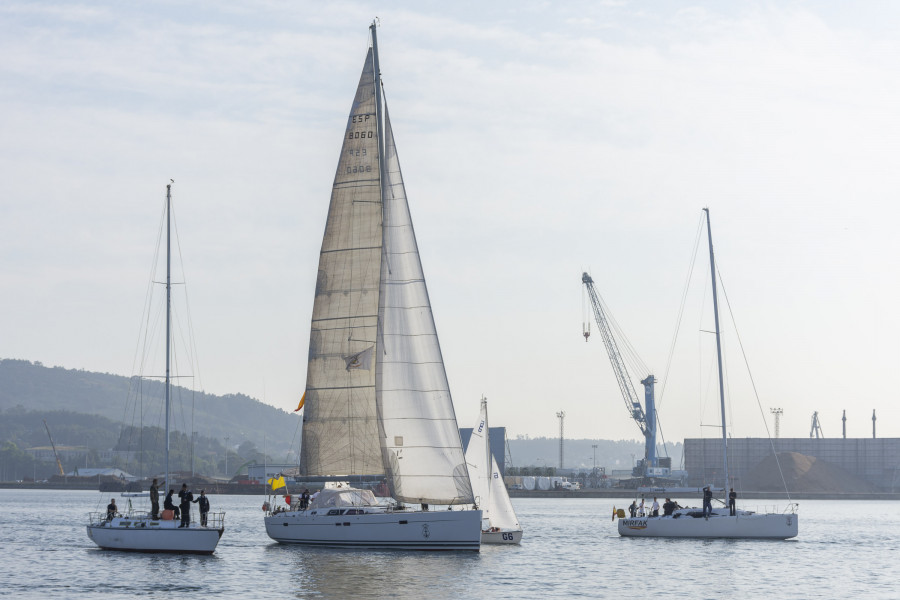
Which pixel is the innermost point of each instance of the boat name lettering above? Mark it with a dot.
(635, 522)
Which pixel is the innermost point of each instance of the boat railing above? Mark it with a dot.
(213, 520)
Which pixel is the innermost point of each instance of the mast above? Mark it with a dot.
(712, 270)
(168, 312)
(379, 117)
(486, 502)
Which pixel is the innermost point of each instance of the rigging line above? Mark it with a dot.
(753, 384)
(684, 294)
(192, 341)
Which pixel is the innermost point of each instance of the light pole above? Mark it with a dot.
(226, 455)
(594, 446)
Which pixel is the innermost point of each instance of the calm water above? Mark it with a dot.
(570, 550)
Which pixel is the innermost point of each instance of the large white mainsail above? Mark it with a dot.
(377, 396)
(340, 433)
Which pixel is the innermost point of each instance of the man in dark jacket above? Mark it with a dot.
(111, 509)
(732, 499)
(186, 498)
(154, 500)
(707, 502)
(169, 503)
(204, 506)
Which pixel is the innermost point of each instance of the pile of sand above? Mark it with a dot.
(803, 474)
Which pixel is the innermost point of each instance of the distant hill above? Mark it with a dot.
(33, 387)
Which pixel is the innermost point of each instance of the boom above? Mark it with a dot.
(645, 419)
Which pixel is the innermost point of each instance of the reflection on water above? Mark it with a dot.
(341, 573)
(570, 549)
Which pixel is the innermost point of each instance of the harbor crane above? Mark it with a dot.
(644, 415)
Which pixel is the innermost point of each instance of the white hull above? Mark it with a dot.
(719, 525)
(501, 537)
(138, 535)
(433, 530)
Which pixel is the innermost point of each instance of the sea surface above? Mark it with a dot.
(570, 550)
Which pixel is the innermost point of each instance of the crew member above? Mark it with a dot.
(186, 498)
(203, 504)
(154, 500)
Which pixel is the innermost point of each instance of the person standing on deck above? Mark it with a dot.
(732, 502)
(654, 509)
(707, 502)
(186, 498)
(154, 500)
(204, 506)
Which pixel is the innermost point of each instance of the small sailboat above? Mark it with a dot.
(138, 531)
(714, 522)
(499, 522)
(377, 400)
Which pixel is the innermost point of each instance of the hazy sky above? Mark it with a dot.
(537, 139)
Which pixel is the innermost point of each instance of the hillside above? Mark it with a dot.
(27, 386)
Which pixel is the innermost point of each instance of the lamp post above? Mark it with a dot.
(594, 446)
(226, 455)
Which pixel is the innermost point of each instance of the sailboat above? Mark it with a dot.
(138, 531)
(377, 399)
(499, 522)
(719, 522)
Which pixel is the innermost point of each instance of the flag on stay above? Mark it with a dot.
(277, 482)
(360, 360)
(302, 402)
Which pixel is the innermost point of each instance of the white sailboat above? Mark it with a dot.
(377, 399)
(138, 531)
(499, 524)
(719, 522)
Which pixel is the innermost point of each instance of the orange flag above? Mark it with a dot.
(302, 401)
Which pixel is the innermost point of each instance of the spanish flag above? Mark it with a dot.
(302, 401)
(277, 482)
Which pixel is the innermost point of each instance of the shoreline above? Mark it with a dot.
(742, 495)
(240, 489)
